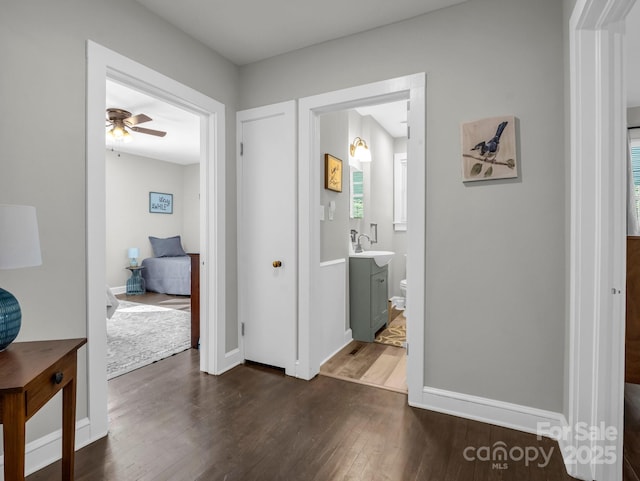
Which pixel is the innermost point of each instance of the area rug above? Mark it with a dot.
(140, 334)
(395, 334)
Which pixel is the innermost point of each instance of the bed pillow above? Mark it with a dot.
(169, 247)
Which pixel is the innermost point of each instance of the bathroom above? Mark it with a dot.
(368, 209)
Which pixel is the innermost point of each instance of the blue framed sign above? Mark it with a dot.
(160, 203)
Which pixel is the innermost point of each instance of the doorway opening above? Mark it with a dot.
(105, 64)
(312, 305)
(364, 224)
(152, 194)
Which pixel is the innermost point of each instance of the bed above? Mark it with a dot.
(169, 271)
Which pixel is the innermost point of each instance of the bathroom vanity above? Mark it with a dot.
(368, 294)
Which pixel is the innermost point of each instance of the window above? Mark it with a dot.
(634, 145)
(357, 194)
(400, 192)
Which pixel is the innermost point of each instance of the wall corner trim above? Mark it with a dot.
(232, 359)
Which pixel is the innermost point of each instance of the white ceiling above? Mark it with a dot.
(392, 117)
(246, 31)
(181, 145)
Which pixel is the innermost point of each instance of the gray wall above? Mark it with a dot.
(191, 207)
(379, 202)
(334, 141)
(42, 92)
(495, 252)
(633, 117)
(400, 237)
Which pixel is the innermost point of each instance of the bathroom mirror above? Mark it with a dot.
(356, 193)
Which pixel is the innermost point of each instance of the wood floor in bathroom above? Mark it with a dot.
(369, 363)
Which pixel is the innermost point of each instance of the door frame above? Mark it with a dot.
(598, 228)
(103, 63)
(412, 88)
(286, 109)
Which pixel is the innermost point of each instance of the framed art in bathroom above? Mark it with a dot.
(332, 173)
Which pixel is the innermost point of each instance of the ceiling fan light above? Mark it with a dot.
(118, 132)
(126, 137)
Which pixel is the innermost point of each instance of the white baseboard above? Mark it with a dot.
(499, 413)
(348, 337)
(119, 290)
(508, 415)
(48, 449)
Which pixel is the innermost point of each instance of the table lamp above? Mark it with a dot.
(134, 253)
(19, 247)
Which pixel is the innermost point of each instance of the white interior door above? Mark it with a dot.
(267, 234)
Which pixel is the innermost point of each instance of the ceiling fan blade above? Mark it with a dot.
(142, 130)
(137, 119)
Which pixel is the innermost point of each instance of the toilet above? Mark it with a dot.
(401, 302)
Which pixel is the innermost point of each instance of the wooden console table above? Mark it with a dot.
(31, 373)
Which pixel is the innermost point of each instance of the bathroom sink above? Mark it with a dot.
(381, 258)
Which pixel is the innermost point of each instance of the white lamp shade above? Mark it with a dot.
(134, 253)
(363, 154)
(19, 239)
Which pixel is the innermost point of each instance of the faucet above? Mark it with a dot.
(358, 245)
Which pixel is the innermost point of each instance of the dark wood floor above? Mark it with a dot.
(168, 421)
(631, 432)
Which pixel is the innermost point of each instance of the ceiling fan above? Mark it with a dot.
(121, 121)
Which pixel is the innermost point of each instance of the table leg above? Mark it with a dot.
(68, 427)
(14, 416)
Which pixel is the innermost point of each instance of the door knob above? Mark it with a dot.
(277, 264)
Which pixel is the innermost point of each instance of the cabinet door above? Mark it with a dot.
(378, 300)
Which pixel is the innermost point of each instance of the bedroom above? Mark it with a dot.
(151, 326)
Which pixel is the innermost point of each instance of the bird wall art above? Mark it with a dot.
(489, 149)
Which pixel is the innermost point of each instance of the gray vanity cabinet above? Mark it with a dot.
(368, 297)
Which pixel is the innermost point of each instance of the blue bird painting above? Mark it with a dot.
(489, 149)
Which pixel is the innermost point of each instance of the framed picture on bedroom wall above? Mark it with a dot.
(160, 203)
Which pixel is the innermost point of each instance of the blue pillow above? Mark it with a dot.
(169, 247)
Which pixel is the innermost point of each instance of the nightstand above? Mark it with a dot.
(135, 284)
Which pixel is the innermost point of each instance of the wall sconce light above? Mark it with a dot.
(19, 247)
(359, 150)
(133, 254)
